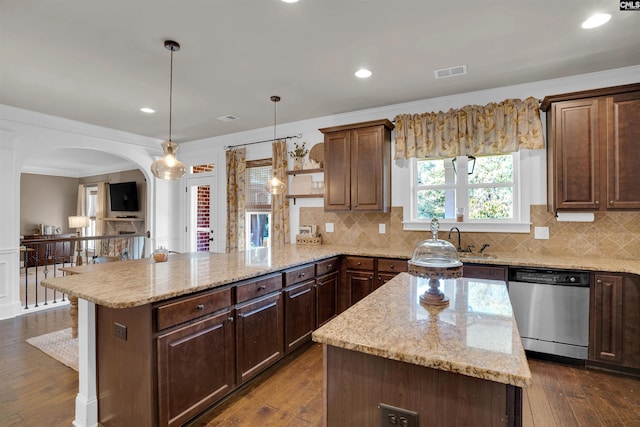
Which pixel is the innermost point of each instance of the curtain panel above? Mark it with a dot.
(236, 162)
(473, 130)
(279, 202)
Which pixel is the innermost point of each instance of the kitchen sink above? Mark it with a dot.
(475, 256)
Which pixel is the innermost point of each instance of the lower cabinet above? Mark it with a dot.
(299, 313)
(489, 272)
(360, 273)
(326, 298)
(388, 268)
(614, 333)
(259, 335)
(195, 367)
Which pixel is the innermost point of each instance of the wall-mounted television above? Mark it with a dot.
(124, 196)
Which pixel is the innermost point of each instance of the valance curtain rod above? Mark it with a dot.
(229, 147)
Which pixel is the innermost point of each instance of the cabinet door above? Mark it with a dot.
(623, 156)
(259, 335)
(337, 171)
(383, 278)
(326, 298)
(299, 314)
(367, 169)
(575, 155)
(360, 284)
(195, 367)
(606, 319)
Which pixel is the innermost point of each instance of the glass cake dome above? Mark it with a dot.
(434, 258)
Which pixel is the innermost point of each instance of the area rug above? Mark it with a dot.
(59, 345)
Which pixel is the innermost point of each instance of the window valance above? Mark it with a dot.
(473, 130)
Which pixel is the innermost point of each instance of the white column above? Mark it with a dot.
(87, 399)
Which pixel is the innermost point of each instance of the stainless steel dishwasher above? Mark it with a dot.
(551, 308)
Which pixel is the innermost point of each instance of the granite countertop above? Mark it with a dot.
(476, 335)
(133, 283)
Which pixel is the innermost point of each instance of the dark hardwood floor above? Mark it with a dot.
(36, 390)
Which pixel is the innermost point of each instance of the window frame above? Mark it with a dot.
(520, 223)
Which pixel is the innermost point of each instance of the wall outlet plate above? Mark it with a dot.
(120, 331)
(541, 233)
(382, 228)
(328, 227)
(394, 416)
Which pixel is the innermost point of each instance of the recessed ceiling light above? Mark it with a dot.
(596, 20)
(290, 1)
(147, 110)
(363, 73)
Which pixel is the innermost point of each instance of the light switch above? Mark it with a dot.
(541, 233)
(382, 228)
(328, 227)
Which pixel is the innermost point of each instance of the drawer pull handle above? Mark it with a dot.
(200, 307)
(262, 287)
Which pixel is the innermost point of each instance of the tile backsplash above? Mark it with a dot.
(612, 234)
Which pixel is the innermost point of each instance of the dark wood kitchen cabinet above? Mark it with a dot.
(327, 291)
(357, 166)
(481, 271)
(299, 306)
(360, 272)
(614, 332)
(593, 149)
(195, 367)
(259, 325)
(388, 268)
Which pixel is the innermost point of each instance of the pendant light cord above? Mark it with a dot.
(170, 94)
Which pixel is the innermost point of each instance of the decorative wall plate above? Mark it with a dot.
(317, 153)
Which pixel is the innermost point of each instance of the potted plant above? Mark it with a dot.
(298, 155)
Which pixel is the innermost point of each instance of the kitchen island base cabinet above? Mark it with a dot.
(299, 314)
(195, 368)
(259, 335)
(356, 383)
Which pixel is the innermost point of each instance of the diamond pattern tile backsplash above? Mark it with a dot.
(611, 235)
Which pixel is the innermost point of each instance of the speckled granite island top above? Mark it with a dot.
(476, 335)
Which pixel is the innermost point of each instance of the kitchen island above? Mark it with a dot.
(389, 356)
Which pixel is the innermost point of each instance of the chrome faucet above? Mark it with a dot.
(459, 248)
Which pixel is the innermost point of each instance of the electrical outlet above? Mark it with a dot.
(382, 228)
(541, 233)
(120, 331)
(393, 416)
(328, 227)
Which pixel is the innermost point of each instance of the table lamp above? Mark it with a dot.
(78, 222)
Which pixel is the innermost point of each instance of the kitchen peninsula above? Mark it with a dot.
(135, 316)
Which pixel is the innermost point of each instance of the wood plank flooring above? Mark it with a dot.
(36, 390)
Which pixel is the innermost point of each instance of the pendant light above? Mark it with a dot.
(274, 185)
(169, 167)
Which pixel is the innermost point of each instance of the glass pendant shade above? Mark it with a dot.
(275, 186)
(168, 167)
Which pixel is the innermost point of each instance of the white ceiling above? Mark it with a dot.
(100, 61)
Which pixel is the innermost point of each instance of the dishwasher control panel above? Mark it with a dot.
(551, 277)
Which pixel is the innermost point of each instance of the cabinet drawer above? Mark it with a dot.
(299, 274)
(390, 265)
(174, 313)
(359, 263)
(257, 288)
(327, 266)
(484, 272)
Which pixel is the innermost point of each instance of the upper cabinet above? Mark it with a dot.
(593, 153)
(357, 166)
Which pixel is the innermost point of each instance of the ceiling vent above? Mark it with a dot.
(458, 70)
(228, 118)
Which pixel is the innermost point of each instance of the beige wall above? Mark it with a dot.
(614, 234)
(48, 200)
(126, 176)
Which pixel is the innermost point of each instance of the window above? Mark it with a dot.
(91, 204)
(489, 195)
(257, 204)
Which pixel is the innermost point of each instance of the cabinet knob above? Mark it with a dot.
(598, 281)
(597, 202)
(301, 275)
(329, 266)
(200, 307)
(392, 266)
(358, 263)
(262, 287)
(230, 319)
(370, 277)
(610, 202)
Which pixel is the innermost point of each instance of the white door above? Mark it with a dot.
(200, 214)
